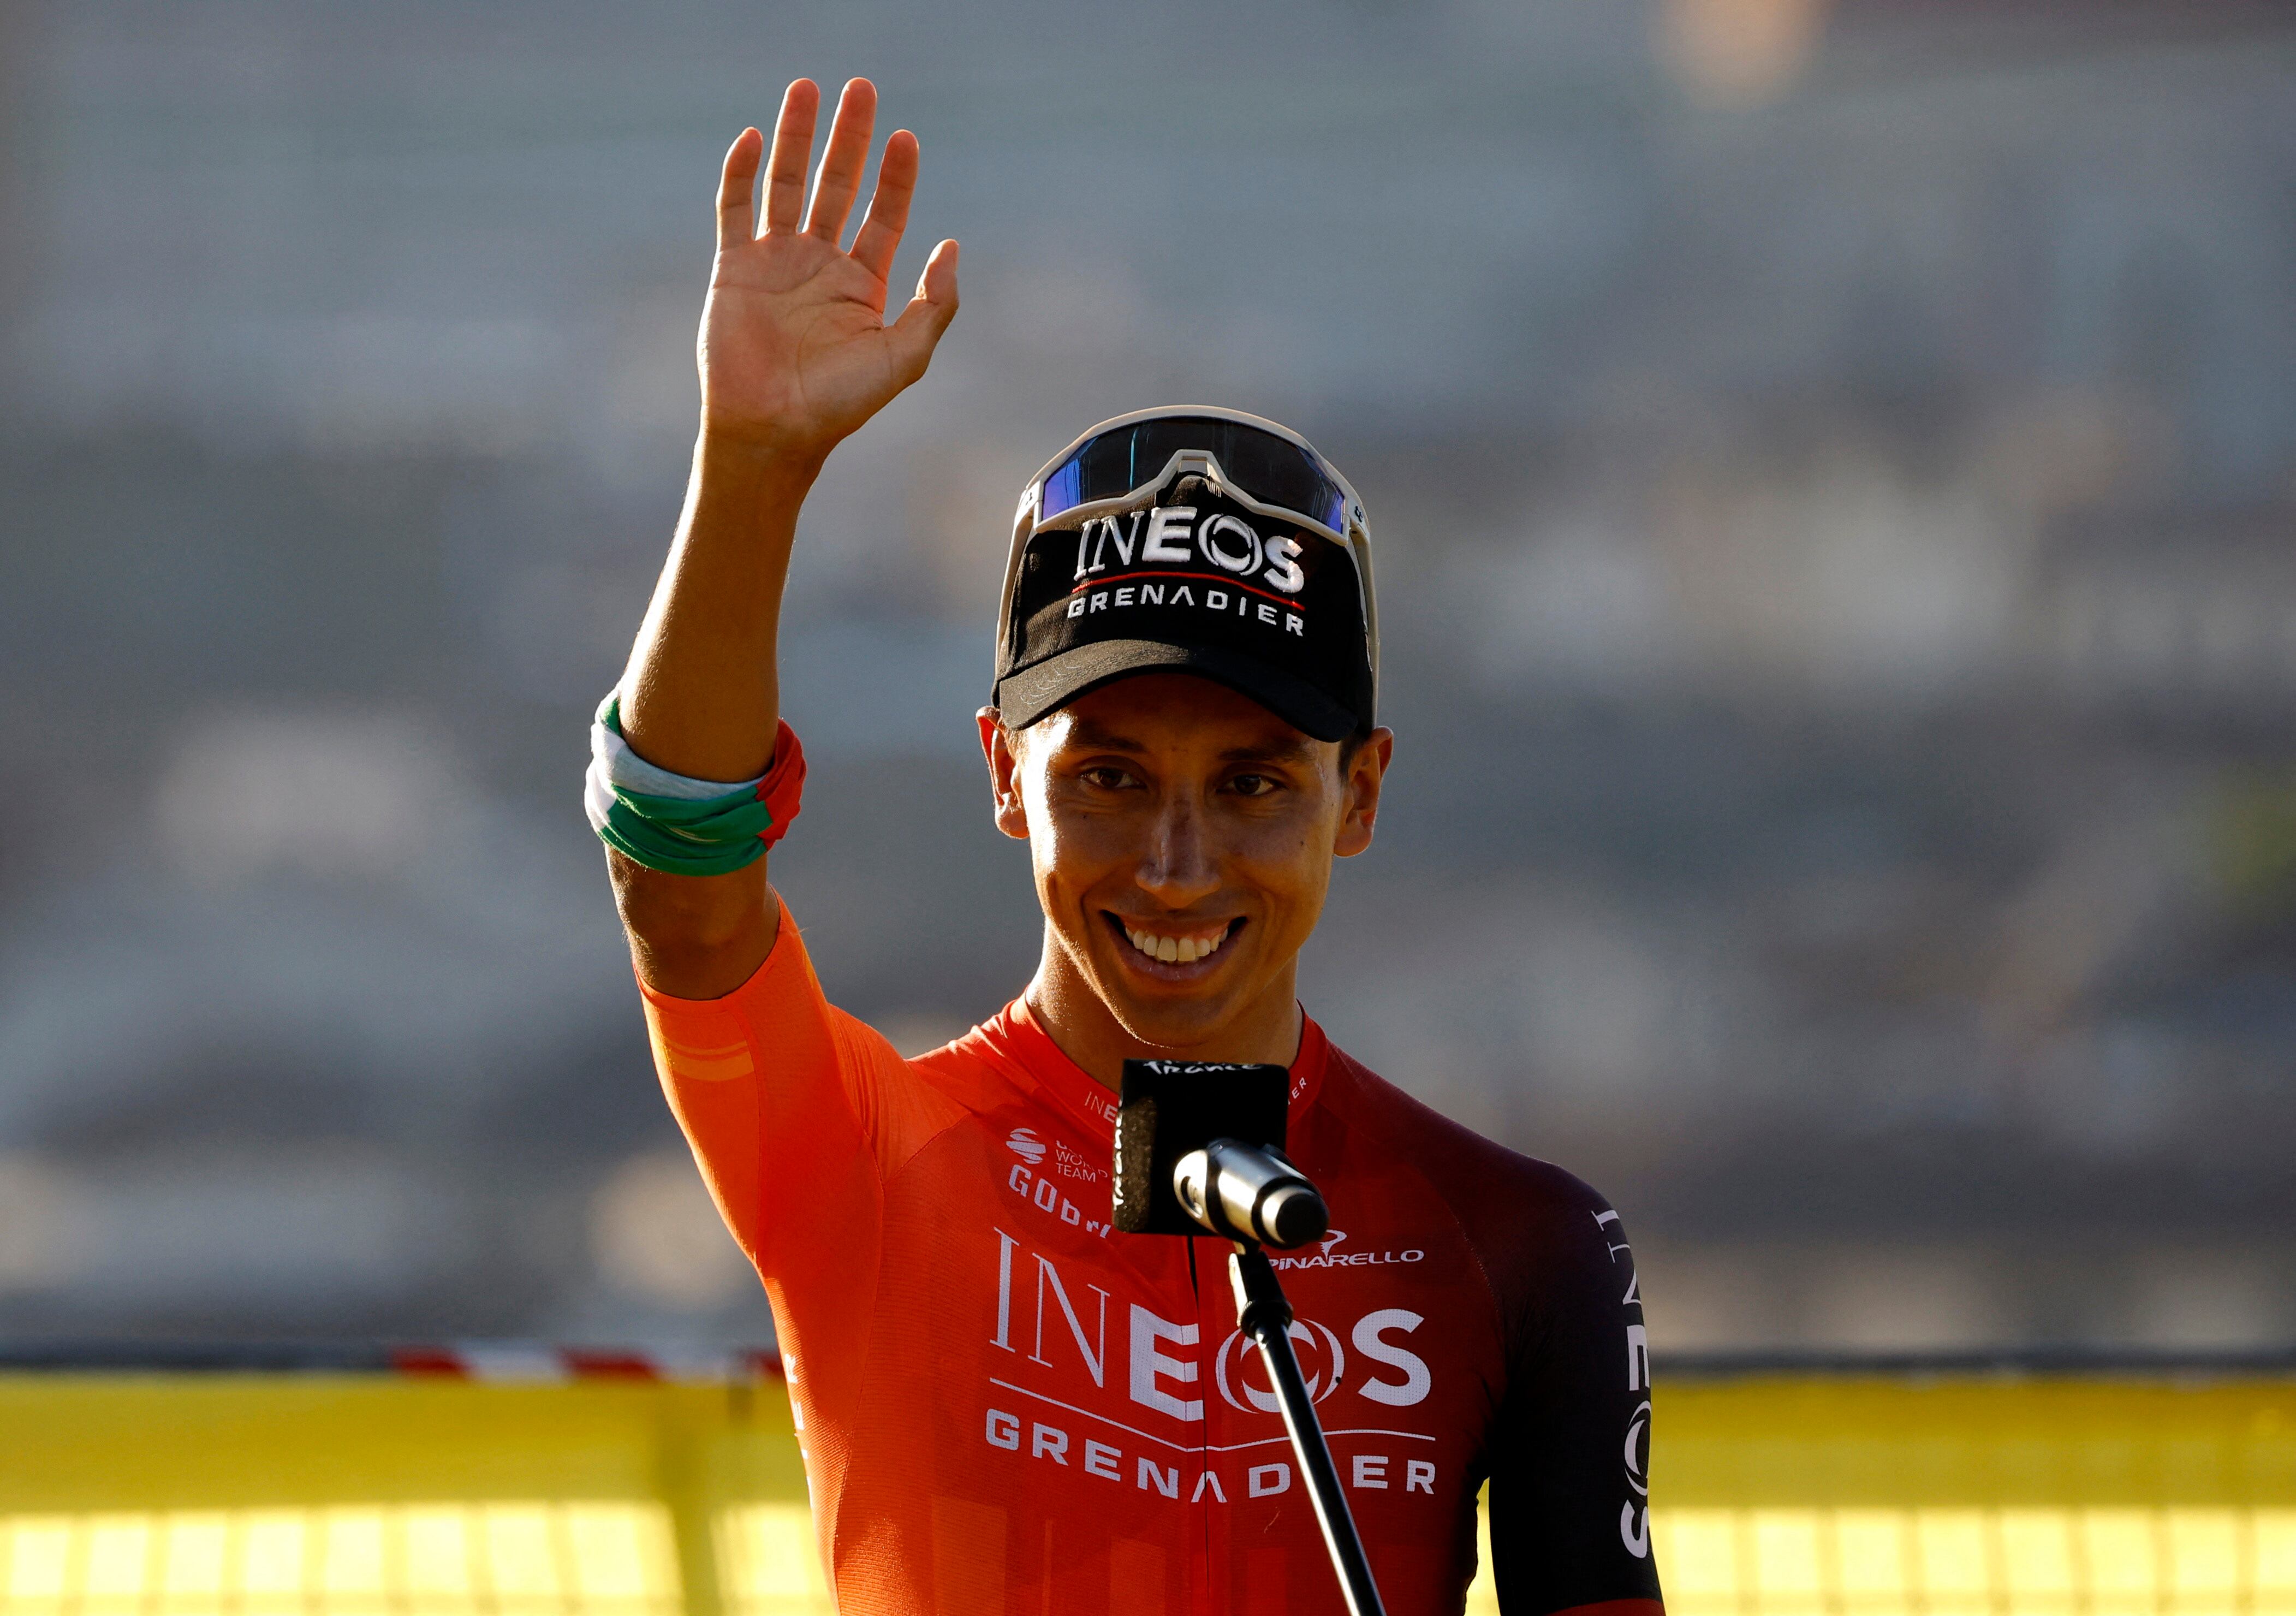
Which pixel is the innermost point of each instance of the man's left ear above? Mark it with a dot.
(1367, 772)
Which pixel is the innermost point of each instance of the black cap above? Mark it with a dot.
(1191, 575)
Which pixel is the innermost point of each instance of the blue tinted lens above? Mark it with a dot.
(1061, 490)
(1269, 469)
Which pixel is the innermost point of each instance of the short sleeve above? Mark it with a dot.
(783, 1099)
(1570, 1497)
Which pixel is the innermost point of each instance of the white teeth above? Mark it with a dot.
(1176, 950)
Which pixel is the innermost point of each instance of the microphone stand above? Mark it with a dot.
(1262, 1313)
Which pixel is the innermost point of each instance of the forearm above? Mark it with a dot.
(793, 355)
(700, 695)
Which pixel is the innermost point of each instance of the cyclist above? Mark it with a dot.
(1003, 1406)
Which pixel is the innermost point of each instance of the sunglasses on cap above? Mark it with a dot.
(1260, 464)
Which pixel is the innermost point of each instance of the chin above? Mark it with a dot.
(1172, 1023)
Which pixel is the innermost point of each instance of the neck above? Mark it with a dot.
(1266, 1030)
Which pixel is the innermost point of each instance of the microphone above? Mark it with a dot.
(1200, 1146)
(1169, 1108)
(1245, 1193)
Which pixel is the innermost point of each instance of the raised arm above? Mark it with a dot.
(794, 354)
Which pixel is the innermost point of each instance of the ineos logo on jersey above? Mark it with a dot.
(1638, 1449)
(1052, 1319)
(1634, 1518)
(1322, 1365)
(1024, 1143)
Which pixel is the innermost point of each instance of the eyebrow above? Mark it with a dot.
(1084, 731)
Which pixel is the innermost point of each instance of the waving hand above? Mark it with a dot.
(794, 351)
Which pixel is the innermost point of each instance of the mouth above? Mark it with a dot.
(1168, 952)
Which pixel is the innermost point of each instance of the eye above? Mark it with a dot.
(1107, 777)
(1251, 785)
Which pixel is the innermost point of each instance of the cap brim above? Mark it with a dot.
(1028, 695)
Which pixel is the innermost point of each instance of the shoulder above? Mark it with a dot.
(909, 1101)
(1542, 1233)
(1485, 1184)
(965, 1071)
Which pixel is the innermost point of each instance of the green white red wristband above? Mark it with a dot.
(678, 825)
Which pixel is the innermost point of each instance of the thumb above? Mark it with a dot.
(915, 335)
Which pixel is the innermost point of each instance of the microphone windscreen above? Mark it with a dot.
(1167, 1109)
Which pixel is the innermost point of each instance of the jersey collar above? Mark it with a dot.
(1039, 1064)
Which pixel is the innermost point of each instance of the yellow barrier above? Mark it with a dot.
(370, 1495)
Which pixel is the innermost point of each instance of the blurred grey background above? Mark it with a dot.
(1832, 468)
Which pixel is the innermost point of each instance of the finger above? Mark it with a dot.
(842, 163)
(915, 335)
(792, 145)
(888, 209)
(737, 213)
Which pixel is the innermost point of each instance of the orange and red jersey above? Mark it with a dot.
(1006, 1408)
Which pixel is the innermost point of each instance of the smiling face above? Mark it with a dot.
(1183, 837)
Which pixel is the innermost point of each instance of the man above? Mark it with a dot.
(1004, 1406)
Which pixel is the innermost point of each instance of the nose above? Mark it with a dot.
(1178, 867)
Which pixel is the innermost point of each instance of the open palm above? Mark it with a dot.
(794, 350)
